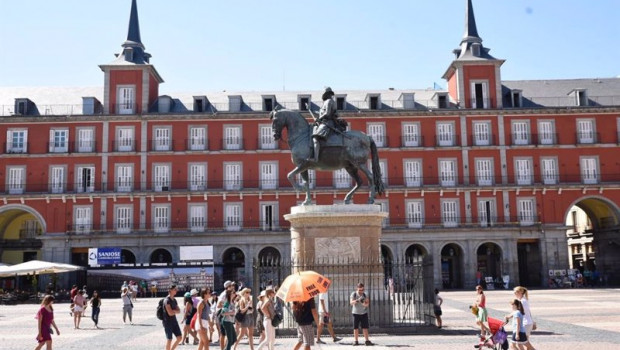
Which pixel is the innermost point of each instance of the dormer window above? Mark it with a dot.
(91, 105)
(22, 106)
(128, 54)
(374, 101)
(164, 104)
(441, 98)
(234, 103)
(269, 103)
(200, 104)
(475, 49)
(341, 102)
(408, 100)
(580, 97)
(304, 102)
(515, 96)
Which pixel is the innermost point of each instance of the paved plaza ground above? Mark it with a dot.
(567, 319)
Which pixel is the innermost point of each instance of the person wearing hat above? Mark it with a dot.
(194, 296)
(325, 123)
(189, 311)
(246, 326)
(269, 312)
(259, 316)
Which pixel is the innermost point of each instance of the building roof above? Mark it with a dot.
(560, 93)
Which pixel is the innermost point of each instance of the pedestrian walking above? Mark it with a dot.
(127, 305)
(45, 321)
(481, 317)
(189, 311)
(228, 286)
(304, 313)
(518, 331)
(528, 323)
(95, 303)
(153, 290)
(360, 302)
(170, 323)
(260, 327)
(228, 317)
(78, 307)
(203, 324)
(269, 311)
(72, 294)
(325, 319)
(246, 322)
(437, 308)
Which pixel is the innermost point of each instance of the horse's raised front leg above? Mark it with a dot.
(371, 183)
(306, 188)
(352, 170)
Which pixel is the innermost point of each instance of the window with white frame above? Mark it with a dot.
(411, 135)
(85, 140)
(59, 141)
(123, 220)
(232, 137)
(447, 172)
(342, 179)
(482, 133)
(385, 208)
(126, 99)
(84, 179)
(197, 217)
(549, 171)
(161, 139)
(83, 219)
(232, 176)
(17, 141)
(589, 170)
(546, 132)
(311, 179)
(16, 179)
(525, 211)
(268, 175)
(124, 177)
(413, 172)
(523, 173)
(486, 212)
(124, 139)
(232, 216)
(449, 213)
(585, 131)
(57, 179)
(268, 216)
(415, 213)
(161, 177)
(377, 132)
(198, 138)
(520, 133)
(266, 138)
(445, 134)
(161, 218)
(197, 176)
(480, 94)
(484, 171)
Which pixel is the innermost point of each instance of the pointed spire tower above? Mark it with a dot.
(474, 77)
(131, 82)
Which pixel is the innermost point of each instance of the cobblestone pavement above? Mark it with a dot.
(567, 318)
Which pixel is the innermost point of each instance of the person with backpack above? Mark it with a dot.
(305, 313)
(190, 310)
(170, 308)
(359, 302)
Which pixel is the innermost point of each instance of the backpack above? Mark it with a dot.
(160, 309)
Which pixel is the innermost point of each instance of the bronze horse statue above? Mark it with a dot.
(351, 154)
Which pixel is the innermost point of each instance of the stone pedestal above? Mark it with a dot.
(341, 242)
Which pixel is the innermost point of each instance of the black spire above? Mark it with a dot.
(471, 44)
(134, 25)
(133, 49)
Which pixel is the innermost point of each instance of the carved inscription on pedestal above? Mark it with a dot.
(339, 248)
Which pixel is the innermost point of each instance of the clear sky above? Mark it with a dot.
(268, 45)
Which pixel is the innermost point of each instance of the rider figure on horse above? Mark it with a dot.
(325, 123)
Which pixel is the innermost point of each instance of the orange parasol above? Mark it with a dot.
(302, 286)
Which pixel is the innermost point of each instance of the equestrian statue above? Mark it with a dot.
(326, 145)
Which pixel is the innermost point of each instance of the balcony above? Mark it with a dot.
(447, 140)
(195, 227)
(412, 141)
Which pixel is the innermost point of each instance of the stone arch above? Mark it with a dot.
(233, 261)
(269, 256)
(594, 242)
(415, 251)
(452, 265)
(489, 260)
(160, 255)
(127, 256)
(30, 210)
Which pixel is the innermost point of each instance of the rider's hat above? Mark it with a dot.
(328, 92)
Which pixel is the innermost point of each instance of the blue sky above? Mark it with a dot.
(249, 45)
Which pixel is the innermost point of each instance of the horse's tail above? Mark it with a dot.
(376, 168)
